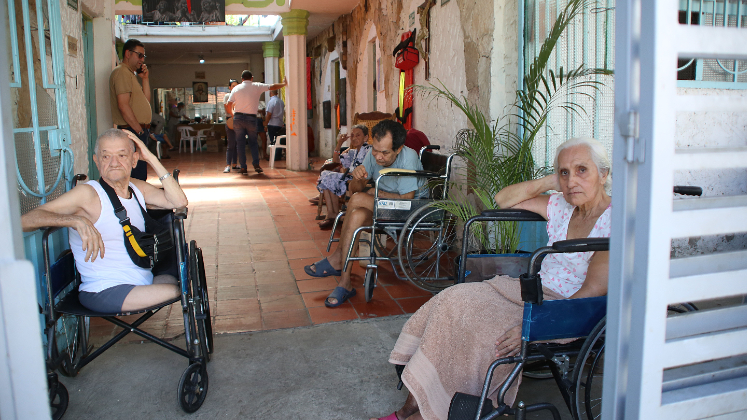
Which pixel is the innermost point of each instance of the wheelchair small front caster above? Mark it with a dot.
(370, 281)
(193, 387)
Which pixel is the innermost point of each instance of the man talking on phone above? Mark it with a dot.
(130, 101)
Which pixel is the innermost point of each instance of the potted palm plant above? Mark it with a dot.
(497, 154)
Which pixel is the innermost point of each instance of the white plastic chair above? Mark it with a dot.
(277, 145)
(187, 135)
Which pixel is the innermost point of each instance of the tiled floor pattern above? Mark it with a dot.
(257, 232)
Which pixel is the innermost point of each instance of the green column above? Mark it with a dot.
(295, 22)
(271, 49)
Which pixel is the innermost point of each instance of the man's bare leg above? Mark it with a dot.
(360, 210)
(163, 288)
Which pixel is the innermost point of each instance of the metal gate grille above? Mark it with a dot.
(40, 121)
(589, 40)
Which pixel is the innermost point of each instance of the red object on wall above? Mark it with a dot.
(308, 83)
(407, 57)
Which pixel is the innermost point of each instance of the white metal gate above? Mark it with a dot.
(691, 366)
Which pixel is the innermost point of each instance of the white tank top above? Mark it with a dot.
(116, 267)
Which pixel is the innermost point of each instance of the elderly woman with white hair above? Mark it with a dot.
(449, 343)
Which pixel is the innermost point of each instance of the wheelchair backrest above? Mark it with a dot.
(563, 318)
(440, 164)
(62, 272)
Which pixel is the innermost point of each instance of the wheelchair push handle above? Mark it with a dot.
(688, 190)
(582, 245)
(512, 215)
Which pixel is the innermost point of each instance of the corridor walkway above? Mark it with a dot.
(257, 232)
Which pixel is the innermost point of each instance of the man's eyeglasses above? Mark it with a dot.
(139, 54)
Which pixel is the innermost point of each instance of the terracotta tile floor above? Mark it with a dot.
(257, 232)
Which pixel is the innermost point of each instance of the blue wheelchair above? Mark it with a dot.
(67, 321)
(576, 364)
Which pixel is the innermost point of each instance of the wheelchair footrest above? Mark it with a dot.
(464, 407)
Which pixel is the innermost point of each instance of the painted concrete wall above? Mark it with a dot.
(712, 129)
(76, 85)
(462, 45)
(437, 118)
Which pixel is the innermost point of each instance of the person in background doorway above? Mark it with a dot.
(261, 132)
(130, 102)
(231, 150)
(274, 114)
(243, 105)
(416, 140)
(173, 118)
(157, 133)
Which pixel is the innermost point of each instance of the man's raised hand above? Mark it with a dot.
(360, 172)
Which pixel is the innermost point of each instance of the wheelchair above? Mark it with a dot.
(577, 363)
(67, 321)
(423, 236)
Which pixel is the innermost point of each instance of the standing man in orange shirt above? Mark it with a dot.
(130, 102)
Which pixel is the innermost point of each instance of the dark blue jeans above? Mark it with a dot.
(231, 151)
(245, 127)
(141, 170)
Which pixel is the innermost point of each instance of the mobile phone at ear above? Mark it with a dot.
(139, 70)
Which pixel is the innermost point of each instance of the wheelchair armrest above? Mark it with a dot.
(180, 213)
(582, 245)
(511, 215)
(176, 175)
(408, 172)
(531, 283)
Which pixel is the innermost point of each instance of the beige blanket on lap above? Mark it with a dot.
(449, 343)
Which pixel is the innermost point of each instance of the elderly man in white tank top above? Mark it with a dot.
(111, 281)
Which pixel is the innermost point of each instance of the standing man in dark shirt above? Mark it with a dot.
(130, 102)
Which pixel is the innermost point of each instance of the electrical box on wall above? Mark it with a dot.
(57, 141)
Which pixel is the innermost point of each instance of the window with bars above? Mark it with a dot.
(588, 41)
(713, 73)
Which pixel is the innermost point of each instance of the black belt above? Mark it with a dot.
(248, 115)
(125, 127)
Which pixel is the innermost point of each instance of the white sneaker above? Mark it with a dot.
(227, 169)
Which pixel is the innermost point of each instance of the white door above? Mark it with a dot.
(660, 367)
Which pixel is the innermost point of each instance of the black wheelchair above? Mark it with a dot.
(423, 237)
(575, 360)
(67, 321)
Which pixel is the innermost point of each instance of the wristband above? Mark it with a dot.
(166, 175)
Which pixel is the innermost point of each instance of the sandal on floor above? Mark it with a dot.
(314, 201)
(326, 223)
(341, 294)
(322, 268)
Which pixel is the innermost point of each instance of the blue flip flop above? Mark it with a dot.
(323, 269)
(341, 294)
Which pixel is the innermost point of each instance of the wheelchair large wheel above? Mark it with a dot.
(58, 397)
(71, 331)
(427, 248)
(198, 319)
(587, 375)
(193, 387)
(205, 319)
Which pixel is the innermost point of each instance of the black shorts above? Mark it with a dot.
(108, 300)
